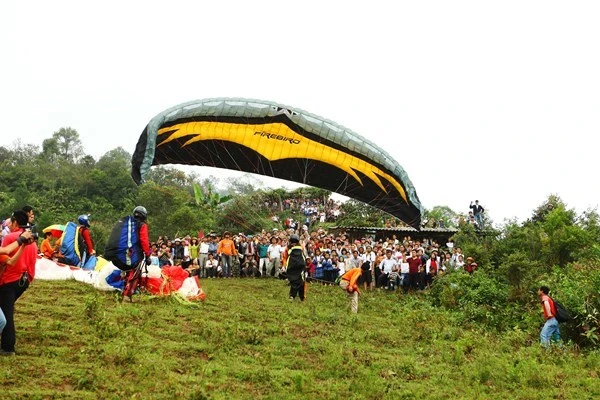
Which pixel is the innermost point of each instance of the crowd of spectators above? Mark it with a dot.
(389, 264)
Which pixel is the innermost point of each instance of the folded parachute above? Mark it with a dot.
(274, 140)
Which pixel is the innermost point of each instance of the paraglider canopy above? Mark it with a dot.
(279, 141)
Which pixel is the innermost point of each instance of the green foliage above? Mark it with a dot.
(441, 214)
(356, 213)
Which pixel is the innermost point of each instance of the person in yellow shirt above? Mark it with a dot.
(226, 249)
(349, 282)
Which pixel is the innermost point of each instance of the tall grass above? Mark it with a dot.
(248, 342)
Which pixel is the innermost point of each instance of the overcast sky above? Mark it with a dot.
(496, 101)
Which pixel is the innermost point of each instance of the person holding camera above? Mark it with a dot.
(15, 248)
(15, 279)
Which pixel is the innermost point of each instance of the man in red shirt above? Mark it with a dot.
(550, 329)
(16, 278)
(84, 223)
(134, 276)
(414, 267)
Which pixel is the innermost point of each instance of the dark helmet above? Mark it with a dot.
(140, 212)
(84, 220)
(294, 239)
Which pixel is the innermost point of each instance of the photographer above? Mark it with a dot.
(16, 277)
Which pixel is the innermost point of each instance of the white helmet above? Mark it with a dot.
(140, 211)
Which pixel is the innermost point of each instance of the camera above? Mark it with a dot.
(34, 233)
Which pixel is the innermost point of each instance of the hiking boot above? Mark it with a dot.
(7, 353)
(291, 299)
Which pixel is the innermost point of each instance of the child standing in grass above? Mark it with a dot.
(393, 279)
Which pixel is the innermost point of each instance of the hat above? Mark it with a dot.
(469, 258)
(178, 240)
(21, 217)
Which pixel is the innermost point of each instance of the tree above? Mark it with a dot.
(356, 213)
(64, 144)
(442, 215)
(207, 197)
(164, 176)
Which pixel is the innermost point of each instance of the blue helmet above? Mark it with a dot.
(84, 220)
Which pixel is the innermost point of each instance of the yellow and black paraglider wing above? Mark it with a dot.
(278, 141)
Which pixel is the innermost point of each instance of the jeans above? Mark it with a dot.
(550, 331)
(479, 219)
(2, 320)
(226, 264)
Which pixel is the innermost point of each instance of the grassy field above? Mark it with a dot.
(248, 342)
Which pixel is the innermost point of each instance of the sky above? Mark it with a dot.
(495, 101)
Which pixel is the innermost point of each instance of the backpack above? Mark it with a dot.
(562, 315)
(72, 245)
(123, 248)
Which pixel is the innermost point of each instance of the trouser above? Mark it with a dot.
(297, 289)
(479, 219)
(226, 264)
(2, 320)
(382, 281)
(133, 280)
(202, 258)
(550, 331)
(275, 263)
(263, 264)
(352, 296)
(405, 282)
(9, 294)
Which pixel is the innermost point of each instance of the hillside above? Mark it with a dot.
(248, 342)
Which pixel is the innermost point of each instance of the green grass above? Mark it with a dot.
(246, 341)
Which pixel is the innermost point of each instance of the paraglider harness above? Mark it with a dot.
(124, 251)
(135, 279)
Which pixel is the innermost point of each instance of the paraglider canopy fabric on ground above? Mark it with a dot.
(279, 141)
(56, 230)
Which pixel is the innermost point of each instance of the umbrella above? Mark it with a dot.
(56, 230)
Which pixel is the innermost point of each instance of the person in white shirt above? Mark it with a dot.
(404, 270)
(211, 266)
(386, 266)
(203, 255)
(274, 252)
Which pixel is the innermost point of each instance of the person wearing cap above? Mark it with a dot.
(470, 266)
(274, 253)
(17, 275)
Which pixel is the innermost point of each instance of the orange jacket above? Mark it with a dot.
(352, 276)
(46, 248)
(227, 247)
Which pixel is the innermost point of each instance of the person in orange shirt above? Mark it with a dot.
(226, 249)
(46, 248)
(349, 282)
